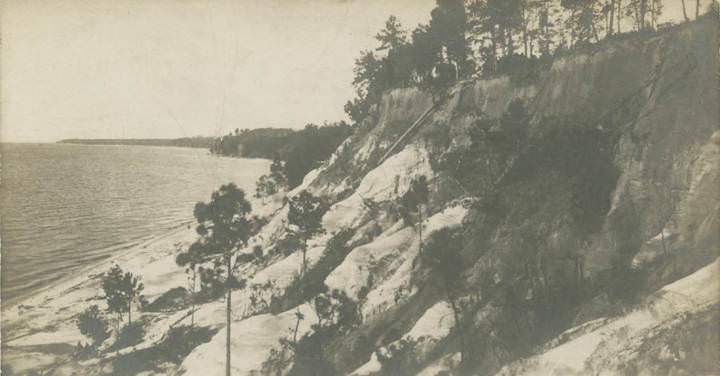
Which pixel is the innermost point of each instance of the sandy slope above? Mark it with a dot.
(620, 339)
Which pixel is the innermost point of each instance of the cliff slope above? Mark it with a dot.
(588, 202)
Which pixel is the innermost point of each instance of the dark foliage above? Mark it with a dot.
(443, 257)
(308, 147)
(313, 282)
(305, 214)
(173, 300)
(174, 347)
(92, 324)
(274, 182)
(520, 68)
(400, 360)
(251, 143)
(435, 57)
(295, 152)
(181, 340)
(580, 153)
(478, 167)
(121, 289)
(130, 335)
(337, 314)
(411, 202)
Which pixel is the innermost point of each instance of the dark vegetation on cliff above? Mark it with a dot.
(561, 172)
(298, 152)
(545, 247)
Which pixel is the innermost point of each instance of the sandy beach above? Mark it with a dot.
(40, 330)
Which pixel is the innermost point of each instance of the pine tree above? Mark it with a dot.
(392, 36)
(305, 218)
(224, 225)
(121, 289)
(413, 203)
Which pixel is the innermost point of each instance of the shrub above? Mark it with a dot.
(130, 335)
(313, 282)
(92, 324)
(411, 201)
(280, 358)
(172, 300)
(273, 182)
(181, 340)
(212, 283)
(337, 314)
(400, 359)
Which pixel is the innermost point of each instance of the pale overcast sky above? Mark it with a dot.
(166, 68)
(175, 68)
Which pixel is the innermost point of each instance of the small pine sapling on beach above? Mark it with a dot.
(122, 289)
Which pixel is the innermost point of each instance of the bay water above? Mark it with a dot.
(65, 207)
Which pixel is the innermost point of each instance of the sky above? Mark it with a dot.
(177, 68)
(181, 68)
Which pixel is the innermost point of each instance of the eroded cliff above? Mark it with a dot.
(579, 194)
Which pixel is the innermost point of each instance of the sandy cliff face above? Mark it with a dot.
(610, 185)
(654, 102)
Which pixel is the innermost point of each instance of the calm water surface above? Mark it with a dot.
(67, 206)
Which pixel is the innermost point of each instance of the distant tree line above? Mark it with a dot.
(295, 153)
(485, 38)
(251, 143)
(187, 142)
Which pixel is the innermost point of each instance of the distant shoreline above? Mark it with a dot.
(187, 142)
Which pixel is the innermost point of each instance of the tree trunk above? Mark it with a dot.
(619, 16)
(572, 28)
(510, 43)
(130, 313)
(297, 325)
(456, 315)
(607, 22)
(697, 9)
(525, 30)
(493, 39)
(192, 298)
(652, 14)
(643, 11)
(543, 27)
(685, 11)
(420, 226)
(532, 44)
(595, 33)
(228, 318)
(611, 27)
(304, 262)
(302, 274)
